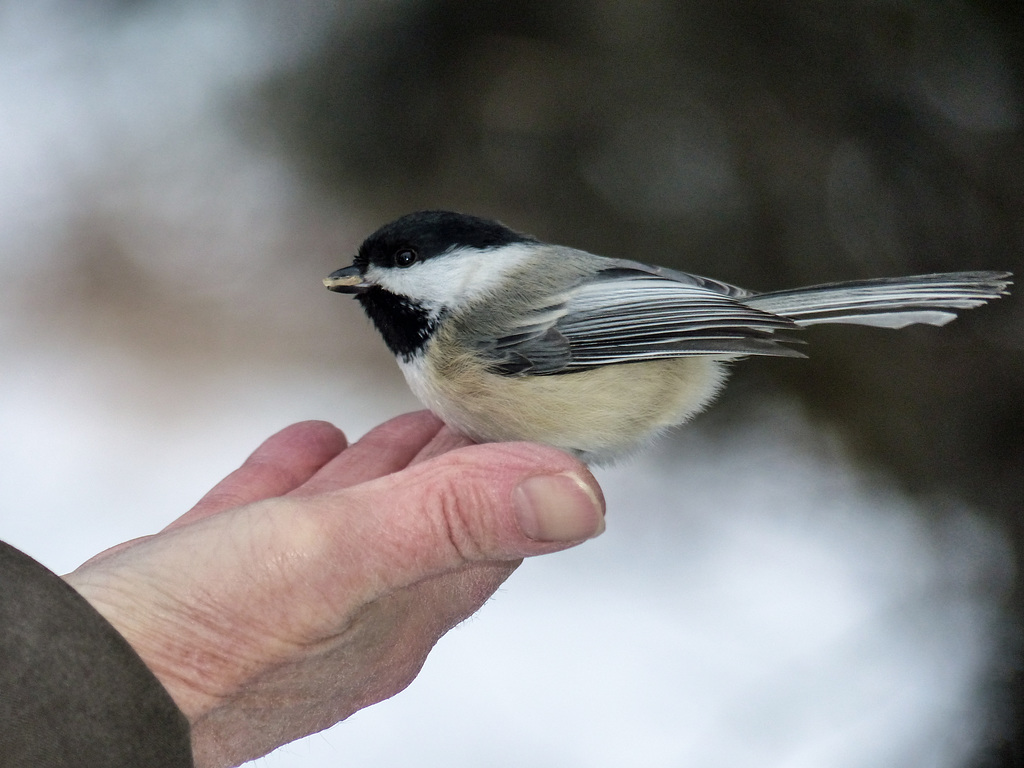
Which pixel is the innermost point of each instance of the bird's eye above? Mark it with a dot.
(405, 257)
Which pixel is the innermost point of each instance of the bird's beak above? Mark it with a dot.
(347, 280)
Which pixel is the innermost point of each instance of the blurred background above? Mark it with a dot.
(821, 571)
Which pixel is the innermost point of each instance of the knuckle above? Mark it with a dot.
(458, 505)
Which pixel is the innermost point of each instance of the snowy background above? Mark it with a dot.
(762, 596)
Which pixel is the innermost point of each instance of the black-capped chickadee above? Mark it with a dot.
(508, 338)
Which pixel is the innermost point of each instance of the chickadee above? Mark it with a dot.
(508, 338)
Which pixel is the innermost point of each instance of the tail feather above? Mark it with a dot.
(889, 302)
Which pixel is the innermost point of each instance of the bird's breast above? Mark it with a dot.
(597, 414)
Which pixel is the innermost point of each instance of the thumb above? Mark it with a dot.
(481, 503)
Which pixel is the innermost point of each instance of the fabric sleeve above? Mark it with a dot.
(72, 691)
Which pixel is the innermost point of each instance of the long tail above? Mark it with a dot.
(888, 302)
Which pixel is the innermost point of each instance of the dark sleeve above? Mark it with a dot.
(72, 691)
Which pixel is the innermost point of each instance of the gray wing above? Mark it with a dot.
(630, 312)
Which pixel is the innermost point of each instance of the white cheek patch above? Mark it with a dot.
(457, 277)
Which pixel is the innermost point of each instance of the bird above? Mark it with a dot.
(507, 338)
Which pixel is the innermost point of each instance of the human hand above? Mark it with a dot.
(314, 580)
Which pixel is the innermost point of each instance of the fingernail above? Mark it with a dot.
(558, 508)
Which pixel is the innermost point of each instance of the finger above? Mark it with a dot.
(445, 440)
(282, 463)
(385, 449)
(496, 502)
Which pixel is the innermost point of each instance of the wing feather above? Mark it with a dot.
(631, 312)
(631, 315)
